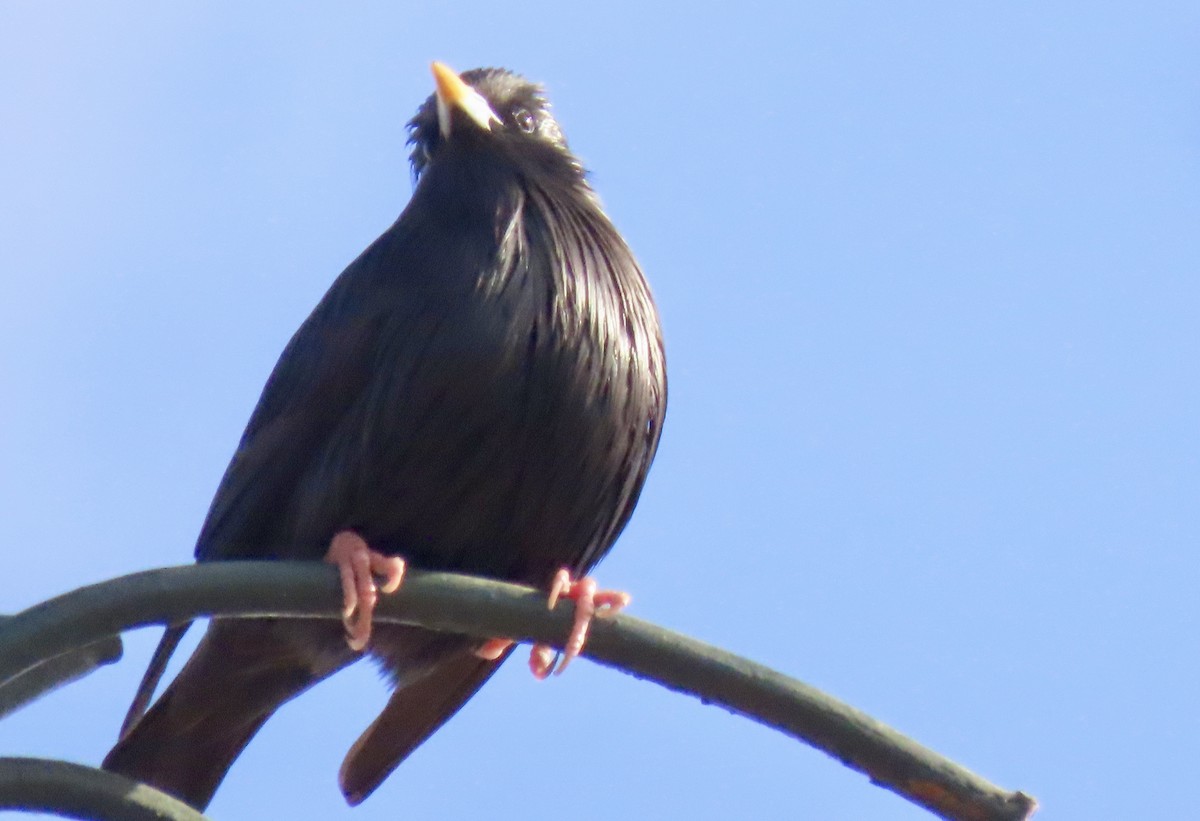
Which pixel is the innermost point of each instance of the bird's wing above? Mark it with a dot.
(321, 374)
(413, 713)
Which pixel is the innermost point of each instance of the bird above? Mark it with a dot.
(481, 391)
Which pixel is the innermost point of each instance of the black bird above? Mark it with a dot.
(481, 391)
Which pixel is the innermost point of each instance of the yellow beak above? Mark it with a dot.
(453, 93)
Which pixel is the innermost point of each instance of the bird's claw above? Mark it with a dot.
(358, 566)
(589, 603)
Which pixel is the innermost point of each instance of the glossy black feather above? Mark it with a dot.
(482, 391)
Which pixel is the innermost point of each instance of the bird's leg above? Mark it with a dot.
(358, 566)
(589, 602)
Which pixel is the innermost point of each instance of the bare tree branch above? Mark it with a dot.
(483, 607)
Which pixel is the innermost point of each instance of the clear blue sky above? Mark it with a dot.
(928, 274)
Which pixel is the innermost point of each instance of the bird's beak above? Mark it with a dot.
(453, 93)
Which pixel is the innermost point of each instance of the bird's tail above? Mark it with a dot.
(186, 743)
(416, 709)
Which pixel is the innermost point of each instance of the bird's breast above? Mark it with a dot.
(515, 415)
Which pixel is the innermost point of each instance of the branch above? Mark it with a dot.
(74, 791)
(482, 607)
(54, 673)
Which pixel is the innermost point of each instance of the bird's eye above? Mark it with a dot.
(524, 120)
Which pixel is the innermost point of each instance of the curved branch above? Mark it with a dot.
(482, 607)
(75, 791)
(53, 673)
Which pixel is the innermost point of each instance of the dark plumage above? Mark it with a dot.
(482, 391)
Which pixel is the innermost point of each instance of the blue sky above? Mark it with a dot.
(928, 276)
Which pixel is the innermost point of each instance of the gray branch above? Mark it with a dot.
(53, 673)
(75, 791)
(482, 607)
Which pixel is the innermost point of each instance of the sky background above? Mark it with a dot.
(928, 278)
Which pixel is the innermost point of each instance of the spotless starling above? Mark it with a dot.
(481, 391)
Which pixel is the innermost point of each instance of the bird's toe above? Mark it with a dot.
(357, 566)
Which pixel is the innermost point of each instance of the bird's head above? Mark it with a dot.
(485, 108)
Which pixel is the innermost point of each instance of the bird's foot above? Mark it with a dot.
(589, 602)
(358, 566)
(493, 649)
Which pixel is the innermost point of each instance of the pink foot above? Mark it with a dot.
(493, 649)
(589, 603)
(541, 656)
(358, 565)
